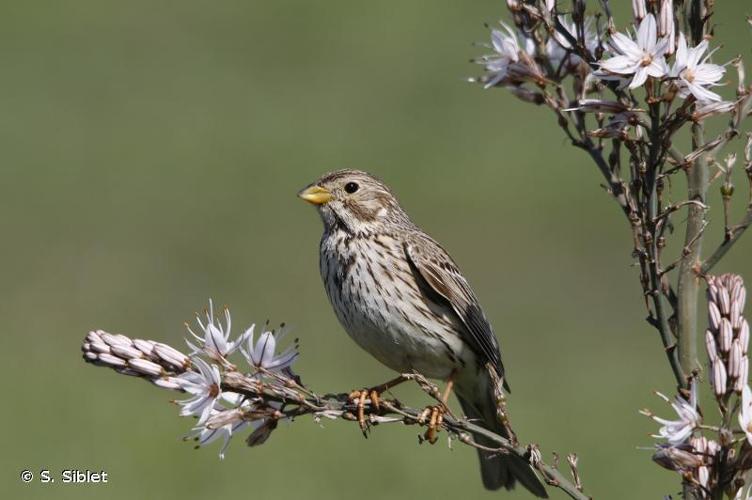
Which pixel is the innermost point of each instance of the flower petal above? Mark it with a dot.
(640, 77)
(625, 45)
(647, 34)
(623, 65)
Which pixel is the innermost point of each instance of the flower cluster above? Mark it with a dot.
(727, 336)
(685, 449)
(655, 52)
(645, 55)
(511, 61)
(516, 52)
(220, 412)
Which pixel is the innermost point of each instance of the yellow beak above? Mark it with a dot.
(315, 195)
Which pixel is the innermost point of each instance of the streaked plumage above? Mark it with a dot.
(401, 297)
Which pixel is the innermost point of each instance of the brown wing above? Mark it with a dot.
(441, 275)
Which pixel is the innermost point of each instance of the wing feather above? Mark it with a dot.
(441, 274)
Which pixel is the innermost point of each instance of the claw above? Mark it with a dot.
(434, 422)
(361, 411)
(360, 398)
(375, 400)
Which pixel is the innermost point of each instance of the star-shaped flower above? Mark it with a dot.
(642, 57)
(262, 353)
(206, 434)
(693, 73)
(215, 341)
(507, 50)
(204, 388)
(558, 46)
(678, 431)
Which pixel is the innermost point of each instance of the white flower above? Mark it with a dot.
(694, 73)
(262, 354)
(215, 341)
(677, 431)
(507, 50)
(205, 435)
(745, 413)
(223, 423)
(558, 45)
(204, 387)
(642, 57)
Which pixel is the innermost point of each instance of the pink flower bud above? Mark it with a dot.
(725, 336)
(719, 378)
(666, 18)
(741, 380)
(710, 346)
(639, 9)
(714, 316)
(744, 335)
(735, 359)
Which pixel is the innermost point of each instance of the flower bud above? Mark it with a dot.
(145, 346)
(712, 448)
(725, 336)
(741, 380)
(736, 314)
(145, 366)
(744, 335)
(666, 18)
(719, 378)
(740, 296)
(735, 359)
(639, 9)
(703, 475)
(171, 356)
(699, 444)
(113, 340)
(111, 360)
(92, 337)
(125, 351)
(710, 346)
(168, 383)
(99, 347)
(712, 289)
(724, 301)
(714, 316)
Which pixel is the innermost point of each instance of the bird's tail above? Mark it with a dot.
(496, 469)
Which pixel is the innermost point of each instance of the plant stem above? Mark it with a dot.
(689, 279)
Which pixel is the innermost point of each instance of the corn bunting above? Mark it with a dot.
(401, 297)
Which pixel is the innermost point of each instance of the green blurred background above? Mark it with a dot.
(151, 156)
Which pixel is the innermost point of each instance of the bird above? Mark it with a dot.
(401, 297)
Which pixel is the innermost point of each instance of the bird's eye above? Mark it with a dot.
(351, 187)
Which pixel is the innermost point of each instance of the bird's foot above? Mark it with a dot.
(364, 397)
(372, 396)
(433, 418)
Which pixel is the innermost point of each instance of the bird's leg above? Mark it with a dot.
(437, 412)
(501, 403)
(374, 395)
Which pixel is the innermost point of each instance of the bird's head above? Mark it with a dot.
(355, 202)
